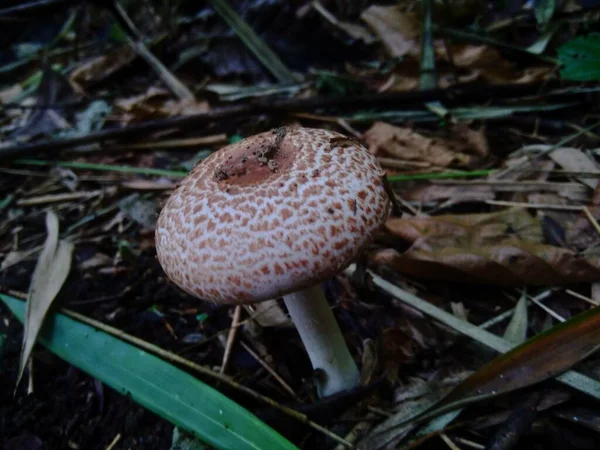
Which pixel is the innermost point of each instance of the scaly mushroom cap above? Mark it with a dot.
(271, 214)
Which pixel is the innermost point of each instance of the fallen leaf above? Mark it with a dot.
(398, 30)
(499, 249)
(45, 119)
(7, 95)
(580, 58)
(575, 160)
(516, 330)
(139, 210)
(462, 147)
(486, 64)
(48, 277)
(269, 314)
(100, 67)
(157, 103)
(540, 358)
(389, 433)
(469, 229)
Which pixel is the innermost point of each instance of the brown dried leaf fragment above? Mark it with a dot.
(461, 147)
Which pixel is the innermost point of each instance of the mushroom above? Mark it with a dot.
(272, 216)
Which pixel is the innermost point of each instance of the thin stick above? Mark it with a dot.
(55, 198)
(548, 310)
(173, 143)
(231, 337)
(581, 297)
(536, 205)
(470, 443)
(269, 369)
(265, 106)
(114, 442)
(591, 218)
(170, 80)
(448, 442)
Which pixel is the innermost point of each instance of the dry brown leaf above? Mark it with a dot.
(484, 63)
(469, 229)
(500, 248)
(397, 30)
(157, 103)
(101, 67)
(462, 147)
(50, 273)
(575, 160)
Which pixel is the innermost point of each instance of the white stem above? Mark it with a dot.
(323, 340)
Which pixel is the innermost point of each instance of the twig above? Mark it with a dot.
(269, 369)
(32, 6)
(581, 297)
(536, 205)
(448, 442)
(231, 337)
(592, 219)
(114, 442)
(135, 41)
(54, 198)
(388, 100)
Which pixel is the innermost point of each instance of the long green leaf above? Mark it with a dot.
(157, 385)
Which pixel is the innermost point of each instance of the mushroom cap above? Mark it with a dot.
(272, 214)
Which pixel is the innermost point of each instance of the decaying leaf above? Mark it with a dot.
(48, 277)
(539, 358)
(100, 67)
(157, 103)
(398, 30)
(140, 210)
(499, 249)
(462, 147)
(470, 229)
(575, 160)
(516, 331)
(394, 429)
(486, 64)
(269, 314)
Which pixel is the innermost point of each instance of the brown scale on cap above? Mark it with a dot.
(271, 214)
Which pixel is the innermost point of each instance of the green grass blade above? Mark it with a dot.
(104, 167)
(157, 385)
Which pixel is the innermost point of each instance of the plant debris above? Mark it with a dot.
(472, 317)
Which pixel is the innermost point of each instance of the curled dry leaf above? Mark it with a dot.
(462, 147)
(398, 30)
(157, 103)
(486, 64)
(469, 229)
(500, 249)
(101, 67)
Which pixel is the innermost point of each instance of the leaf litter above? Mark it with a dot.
(47, 280)
(497, 185)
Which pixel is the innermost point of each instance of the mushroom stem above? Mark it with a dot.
(323, 340)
